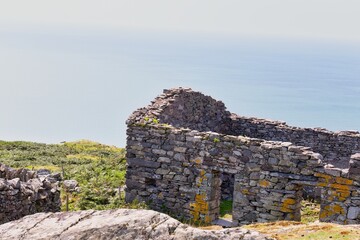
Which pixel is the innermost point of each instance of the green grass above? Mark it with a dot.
(99, 169)
(226, 209)
(309, 211)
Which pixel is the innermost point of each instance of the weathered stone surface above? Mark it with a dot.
(124, 224)
(137, 162)
(70, 185)
(353, 213)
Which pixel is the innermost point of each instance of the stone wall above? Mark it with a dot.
(23, 192)
(184, 108)
(180, 170)
(336, 148)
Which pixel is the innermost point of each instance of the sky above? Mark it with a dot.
(77, 69)
(315, 19)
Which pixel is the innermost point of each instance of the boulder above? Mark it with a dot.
(124, 224)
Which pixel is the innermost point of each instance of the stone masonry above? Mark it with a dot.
(23, 192)
(183, 146)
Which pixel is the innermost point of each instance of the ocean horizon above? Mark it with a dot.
(59, 86)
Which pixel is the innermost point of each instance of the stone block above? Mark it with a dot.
(138, 162)
(164, 160)
(353, 213)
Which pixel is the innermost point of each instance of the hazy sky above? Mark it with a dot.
(312, 19)
(77, 69)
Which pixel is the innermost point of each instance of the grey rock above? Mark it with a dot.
(70, 185)
(353, 213)
(124, 224)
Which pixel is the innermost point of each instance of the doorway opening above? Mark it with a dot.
(226, 200)
(310, 204)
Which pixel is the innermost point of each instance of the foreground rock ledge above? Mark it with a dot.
(113, 224)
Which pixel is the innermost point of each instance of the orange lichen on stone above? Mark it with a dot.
(200, 206)
(321, 184)
(286, 205)
(331, 210)
(201, 178)
(340, 186)
(340, 194)
(245, 191)
(344, 181)
(264, 183)
(198, 161)
(333, 182)
(322, 175)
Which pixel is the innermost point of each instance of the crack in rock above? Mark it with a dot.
(75, 223)
(22, 237)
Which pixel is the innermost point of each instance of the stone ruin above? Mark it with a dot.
(185, 152)
(24, 192)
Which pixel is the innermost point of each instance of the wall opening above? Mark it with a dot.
(309, 211)
(310, 204)
(227, 186)
(226, 190)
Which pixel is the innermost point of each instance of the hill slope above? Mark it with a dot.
(99, 169)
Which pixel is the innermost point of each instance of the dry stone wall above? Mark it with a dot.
(23, 192)
(180, 169)
(184, 108)
(336, 148)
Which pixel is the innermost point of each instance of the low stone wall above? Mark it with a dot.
(22, 193)
(336, 148)
(180, 170)
(185, 108)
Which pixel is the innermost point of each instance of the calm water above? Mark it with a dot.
(59, 86)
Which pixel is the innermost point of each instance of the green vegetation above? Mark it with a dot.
(309, 211)
(226, 209)
(153, 120)
(99, 169)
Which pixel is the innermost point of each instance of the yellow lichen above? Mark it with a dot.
(200, 206)
(286, 205)
(331, 210)
(198, 161)
(339, 186)
(344, 181)
(245, 191)
(322, 175)
(264, 183)
(201, 178)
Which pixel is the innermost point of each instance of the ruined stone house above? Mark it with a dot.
(185, 152)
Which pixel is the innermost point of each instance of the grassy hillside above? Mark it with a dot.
(99, 169)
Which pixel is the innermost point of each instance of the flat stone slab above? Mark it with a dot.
(124, 224)
(224, 223)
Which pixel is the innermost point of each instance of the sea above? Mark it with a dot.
(62, 85)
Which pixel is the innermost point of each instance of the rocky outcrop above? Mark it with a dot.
(121, 224)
